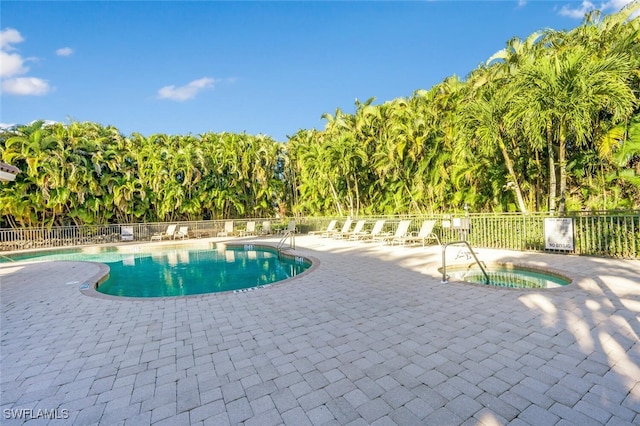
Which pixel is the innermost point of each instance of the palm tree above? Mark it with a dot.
(561, 95)
(484, 118)
(29, 149)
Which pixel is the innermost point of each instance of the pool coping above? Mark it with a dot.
(546, 270)
(92, 289)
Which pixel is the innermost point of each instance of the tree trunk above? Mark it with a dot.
(355, 181)
(335, 197)
(562, 160)
(552, 171)
(350, 199)
(509, 163)
(604, 188)
(538, 187)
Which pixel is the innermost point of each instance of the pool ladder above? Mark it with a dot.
(445, 278)
(288, 235)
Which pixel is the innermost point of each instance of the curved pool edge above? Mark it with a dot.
(92, 289)
(527, 267)
(86, 285)
(91, 284)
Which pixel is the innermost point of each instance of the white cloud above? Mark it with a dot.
(617, 4)
(577, 12)
(8, 37)
(186, 92)
(25, 86)
(65, 51)
(587, 6)
(12, 65)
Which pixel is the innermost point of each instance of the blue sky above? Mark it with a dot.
(260, 67)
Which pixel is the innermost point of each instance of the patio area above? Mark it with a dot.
(370, 337)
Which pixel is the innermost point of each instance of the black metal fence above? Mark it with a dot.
(609, 234)
(64, 236)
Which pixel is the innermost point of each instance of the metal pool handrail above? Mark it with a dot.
(292, 241)
(444, 261)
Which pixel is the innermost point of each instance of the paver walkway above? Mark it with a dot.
(369, 337)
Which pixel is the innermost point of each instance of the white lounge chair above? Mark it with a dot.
(425, 234)
(330, 228)
(375, 232)
(228, 229)
(291, 227)
(356, 230)
(249, 230)
(345, 228)
(171, 229)
(182, 233)
(401, 232)
(266, 227)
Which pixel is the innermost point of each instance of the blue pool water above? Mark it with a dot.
(181, 271)
(508, 276)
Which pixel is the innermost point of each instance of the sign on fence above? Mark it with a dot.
(126, 233)
(558, 233)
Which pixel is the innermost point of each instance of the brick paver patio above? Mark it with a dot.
(370, 336)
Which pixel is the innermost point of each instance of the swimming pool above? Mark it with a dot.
(511, 276)
(181, 270)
